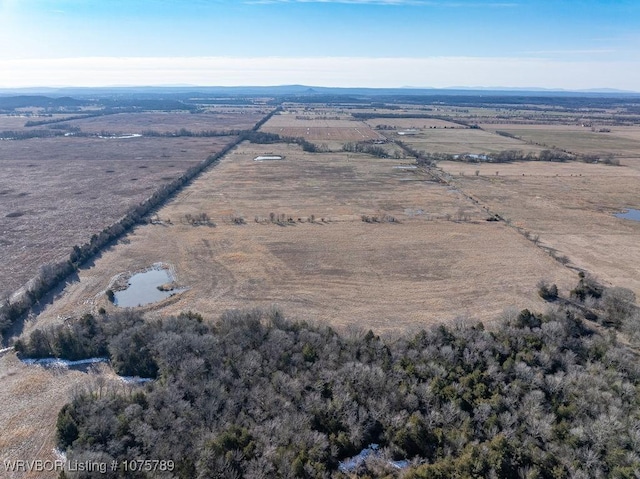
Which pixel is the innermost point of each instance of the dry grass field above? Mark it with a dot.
(15, 123)
(304, 246)
(411, 123)
(620, 141)
(128, 123)
(316, 129)
(388, 276)
(31, 397)
(18, 122)
(25, 390)
(56, 193)
(458, 141)
(570, 206)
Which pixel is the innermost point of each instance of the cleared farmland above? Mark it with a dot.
(570, 206)
(621, 141)
(459, 141)
(332, 132)
(323, 262)
(123, 123)
(55, 193)
(409, 123)
(31, 397)
(427, 255)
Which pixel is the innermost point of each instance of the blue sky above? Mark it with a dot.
(574, 44)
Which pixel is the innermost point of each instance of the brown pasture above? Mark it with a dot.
(320, 134)
(459, 141)
(314, 128)
(170, 122)
(409, 123)
(15, 123)
(621, 141)
(31, 397)
(327, 264)
(570, 206)
(57, 192)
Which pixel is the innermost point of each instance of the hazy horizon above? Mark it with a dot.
(332, 43)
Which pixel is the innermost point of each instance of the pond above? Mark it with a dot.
(629, 214)
(145, 288)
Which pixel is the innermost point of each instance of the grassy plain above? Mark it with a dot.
(214, 119)
(57, 192)
(458, 141)
(570, 206)
(437, 261)
(619, 141)
(389, 276)
(411, 123)
(332, 131)
(15, 123)
(31, 397)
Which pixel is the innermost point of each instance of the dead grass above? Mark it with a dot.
(31, 398)
(407, 123)
(623, 141)
(317, 129)
(170, 122)
(16, 123)
(458, 141)
(337, 269)
(56, 193)
(570, 206)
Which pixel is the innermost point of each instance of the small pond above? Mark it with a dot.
(146, 288)
(629, 214)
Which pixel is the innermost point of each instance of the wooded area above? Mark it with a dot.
(253, 395)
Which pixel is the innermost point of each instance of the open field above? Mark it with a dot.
(570, 206)
(388, 276)
(128, 123)
(621, 141)
(57, 192)
(291, 233)
(459, 141)
(16, 123)
(314, 128)
(409, 123)
(31, 397)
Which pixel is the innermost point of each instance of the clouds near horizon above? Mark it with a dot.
(438, 72)
(426, 43)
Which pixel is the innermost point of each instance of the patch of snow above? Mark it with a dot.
(63, 363)
(121, 137)
(60, 455)
(134, 379)
(351, 464)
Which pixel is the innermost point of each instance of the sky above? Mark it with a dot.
(555, 44)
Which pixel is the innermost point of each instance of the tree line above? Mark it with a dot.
(265, 138)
